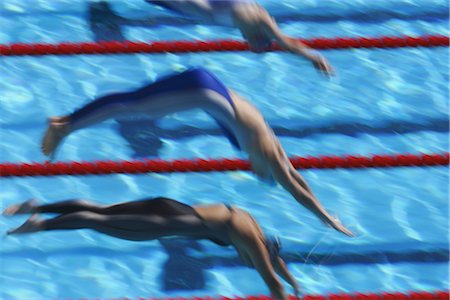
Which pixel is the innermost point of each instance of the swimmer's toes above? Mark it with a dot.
(31, 225)
(345, 231)
(23, 208)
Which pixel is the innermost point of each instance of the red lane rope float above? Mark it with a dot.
(129, 47)
(437, 295)
(213, 165)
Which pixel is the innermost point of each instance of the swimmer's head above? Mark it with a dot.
(254, 23)
(273, 244)
(260, 45)
(257, 40)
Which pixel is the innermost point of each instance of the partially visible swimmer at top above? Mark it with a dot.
(241, 122)
(254, 22)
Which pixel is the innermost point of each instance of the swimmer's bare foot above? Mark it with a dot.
(33, 224)
(56, 131)
(26, 207)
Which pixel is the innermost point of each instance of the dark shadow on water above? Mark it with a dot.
(107, 25)
(178, 250)
(187, 262)
(180, 271)
(143, 136)
(372, 16)
(104, 23)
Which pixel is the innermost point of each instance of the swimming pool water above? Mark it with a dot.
(381, 101)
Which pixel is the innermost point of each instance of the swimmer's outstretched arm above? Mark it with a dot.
(268, 159)
(294, 46)
(283, 172)
(282, 270)
(260, 259)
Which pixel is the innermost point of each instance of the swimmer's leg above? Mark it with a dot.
(99, 110)
(27, 207)
(166, 95)
(154, 206)
(157, 206)
(128, 227)
(61, 207)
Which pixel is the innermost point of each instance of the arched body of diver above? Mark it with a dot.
(241, 122)
(158, 218)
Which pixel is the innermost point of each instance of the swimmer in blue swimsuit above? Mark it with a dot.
(159, 218)
(241, 122)
(254, 22)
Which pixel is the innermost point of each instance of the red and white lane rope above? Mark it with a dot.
(214, 165)
(129, 47)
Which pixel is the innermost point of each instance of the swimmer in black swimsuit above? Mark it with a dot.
(159, 218)
(242, 124)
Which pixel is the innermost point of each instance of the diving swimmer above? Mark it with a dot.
(254, 22)
(240, 121)
(158, 218)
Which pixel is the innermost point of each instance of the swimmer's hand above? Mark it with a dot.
(344, 230)
(336, 224)
(297, 293)
(321, 64)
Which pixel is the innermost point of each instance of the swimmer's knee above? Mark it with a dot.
(87, 216)
(87, 205)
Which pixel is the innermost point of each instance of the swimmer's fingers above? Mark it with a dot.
(323, 66)
(345, 231)
(51, 157)
(341, 228)
(336, 224)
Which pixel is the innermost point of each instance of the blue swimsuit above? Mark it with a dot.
(219, 4)
(192, 79)
(221, 9)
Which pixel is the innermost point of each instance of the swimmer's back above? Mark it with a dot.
(215, 215)
(246, 112)
(195, 78)
(230, 221)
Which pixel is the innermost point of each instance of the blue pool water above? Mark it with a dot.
(381, 101)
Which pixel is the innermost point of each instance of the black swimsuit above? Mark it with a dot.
(165, 207)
